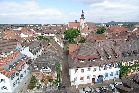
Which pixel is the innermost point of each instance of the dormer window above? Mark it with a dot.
(89, 60)
(109, 57)
(81, 60)
(94, 60)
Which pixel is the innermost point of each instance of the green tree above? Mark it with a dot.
(32, 83)
(58, 80)
(101, 30)
(71, 34)
(124, 71)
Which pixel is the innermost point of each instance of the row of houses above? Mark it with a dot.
(14, 72)
(97, 62)
(33, 56)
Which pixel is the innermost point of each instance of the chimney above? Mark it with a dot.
(75, 21)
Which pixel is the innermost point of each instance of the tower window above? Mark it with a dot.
(82, 70)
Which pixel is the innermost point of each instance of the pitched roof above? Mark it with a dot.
(117, 29)
(9, 34)
(87, 56)
(96, 37)
(53, 29)
(73, 47)
(7, 62)
(108, 51)
(27, 31)
(7, 45)
(74, 24)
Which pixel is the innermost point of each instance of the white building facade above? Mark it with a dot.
(14, 76)
(96, 74)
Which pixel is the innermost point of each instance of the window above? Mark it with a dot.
(94, 76)
(17, 74)
(75, 79)
(76, 70)
(89, 69)
(14, 84)
(2, 80)
(21, 76)
(111, 74)
(94, 69)
(83, 89)
(105, 67)
(110, 66)
(82, 70)
(117, 73)
(4, 87)
(82, 78)
(106, 74)
(12, 77)
(116, 65)
(88, 77)
(25, 71)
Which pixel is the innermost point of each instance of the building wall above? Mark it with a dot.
(82, 24)
(49, 34)
(19, 77)
(84, 34)
(13, 84)
(26, 51)
(4, 82)
(39, 52)
(87, 75)
(58, 41)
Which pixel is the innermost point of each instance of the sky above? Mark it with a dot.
(63, 11)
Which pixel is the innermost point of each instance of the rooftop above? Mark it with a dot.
(11, 63)
(104, 52)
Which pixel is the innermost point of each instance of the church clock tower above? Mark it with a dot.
(82, 21)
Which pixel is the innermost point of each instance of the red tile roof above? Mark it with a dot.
(17, 67)
(117, 29)
(87, 56)
(27, 31)
(74, 24)
(8, 58)
(96, 37)
(73, 48)
(9, 34)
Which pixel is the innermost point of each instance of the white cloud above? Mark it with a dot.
(29, 10)
(108, 10)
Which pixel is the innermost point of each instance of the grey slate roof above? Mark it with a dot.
(108, 52)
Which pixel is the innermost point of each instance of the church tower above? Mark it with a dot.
(82, 21)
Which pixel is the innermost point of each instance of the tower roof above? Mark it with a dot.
(82, 15)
